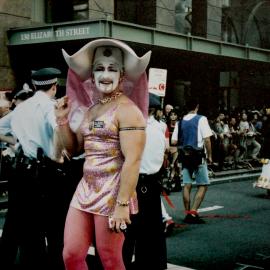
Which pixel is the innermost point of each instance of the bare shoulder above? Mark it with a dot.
(129, 115)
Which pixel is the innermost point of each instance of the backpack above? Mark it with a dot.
(189, 155)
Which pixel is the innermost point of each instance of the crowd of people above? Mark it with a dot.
(85, 168)
(239, 137)
(237, 141)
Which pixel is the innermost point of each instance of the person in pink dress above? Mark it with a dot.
(107, 99)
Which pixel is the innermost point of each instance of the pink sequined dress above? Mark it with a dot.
(97, 191)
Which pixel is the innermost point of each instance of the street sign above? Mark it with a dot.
(157, 81)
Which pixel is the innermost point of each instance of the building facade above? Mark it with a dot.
(218, 50)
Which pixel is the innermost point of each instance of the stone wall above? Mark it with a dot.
(101, 9)
(214, 17)
(12, 14)
(165, 15)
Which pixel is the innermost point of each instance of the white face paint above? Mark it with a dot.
(106, 75)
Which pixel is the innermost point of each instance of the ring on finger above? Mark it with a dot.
(123, 226)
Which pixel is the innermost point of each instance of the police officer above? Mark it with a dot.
(42, 195)
(8, 242)
(146, 232)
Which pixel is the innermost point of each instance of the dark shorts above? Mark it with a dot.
(200, 176)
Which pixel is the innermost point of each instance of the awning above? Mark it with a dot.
(137, 34)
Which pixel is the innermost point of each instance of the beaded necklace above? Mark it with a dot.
(110, 98)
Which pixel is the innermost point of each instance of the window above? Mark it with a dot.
(228, 29)
(66, 10)
(80, 10)
(140, 11)
(226, 3)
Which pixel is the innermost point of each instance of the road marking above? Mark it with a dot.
(176, 267)
(246, 266)
(211, 208)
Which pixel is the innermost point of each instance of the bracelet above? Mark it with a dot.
(121, 203)
(62, 121)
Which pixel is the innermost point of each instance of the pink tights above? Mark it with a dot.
(79, 235)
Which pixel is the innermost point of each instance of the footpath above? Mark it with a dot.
(234, 175)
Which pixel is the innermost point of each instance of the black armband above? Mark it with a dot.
(131, 128)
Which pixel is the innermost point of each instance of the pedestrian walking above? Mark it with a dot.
(193, 137)
(108, 80)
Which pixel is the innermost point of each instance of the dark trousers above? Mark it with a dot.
(145, 236)
(38, 201)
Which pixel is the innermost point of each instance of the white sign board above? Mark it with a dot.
(157, 81)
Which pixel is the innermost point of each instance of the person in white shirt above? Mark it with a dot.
(41, 198)
(168, 222)
(9, 242)
(146, 232)
(194, 132)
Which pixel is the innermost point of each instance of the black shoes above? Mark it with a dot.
(193, 219)
(169, 225)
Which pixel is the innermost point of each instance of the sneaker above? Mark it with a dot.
(169, 225)
(193, 219)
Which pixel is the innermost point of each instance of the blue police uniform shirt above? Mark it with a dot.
(33, 122)
(5, 128)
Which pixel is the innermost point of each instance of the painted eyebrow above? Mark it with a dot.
(112, 65)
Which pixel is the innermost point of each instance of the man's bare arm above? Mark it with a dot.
(207, 144)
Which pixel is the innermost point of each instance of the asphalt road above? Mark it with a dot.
(236, 232)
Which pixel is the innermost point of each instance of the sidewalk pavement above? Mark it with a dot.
(234, 175)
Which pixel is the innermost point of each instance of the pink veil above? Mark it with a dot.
(84, 94)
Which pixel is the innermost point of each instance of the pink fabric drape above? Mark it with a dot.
(84, 94)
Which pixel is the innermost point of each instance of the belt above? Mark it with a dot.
(30, 162)
(147, 181)
(149, 173)
(145, 175)
(24, 160)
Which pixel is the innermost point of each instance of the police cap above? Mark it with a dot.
(25, 93)
(45, 76)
